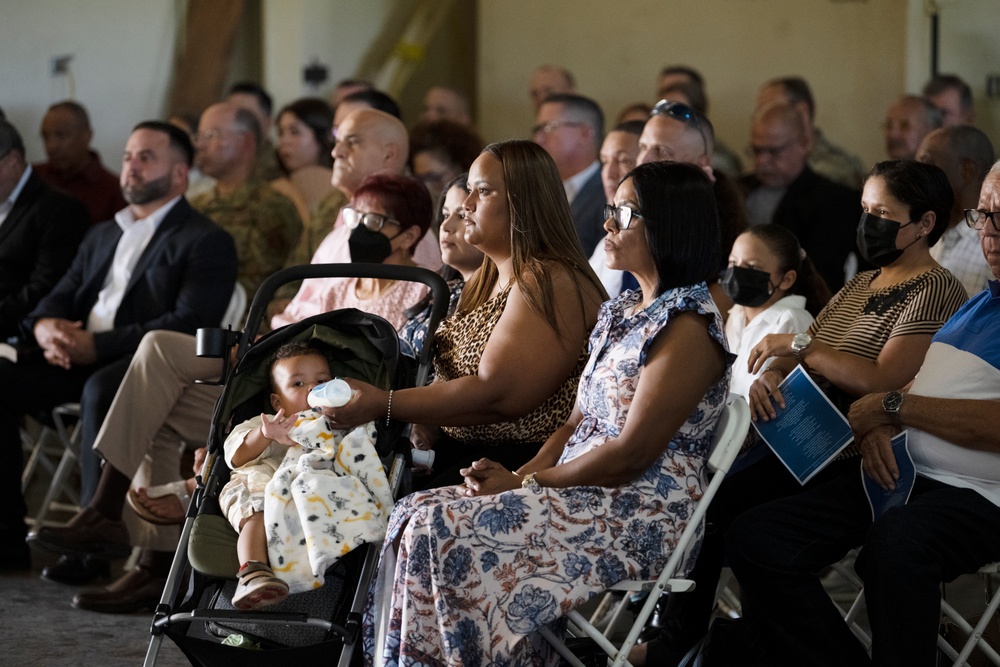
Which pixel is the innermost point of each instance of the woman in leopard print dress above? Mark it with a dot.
(509, 360)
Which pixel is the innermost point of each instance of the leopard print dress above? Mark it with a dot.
(461, 340)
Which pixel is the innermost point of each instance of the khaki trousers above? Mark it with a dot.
(157, 409)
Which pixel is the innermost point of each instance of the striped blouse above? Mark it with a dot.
(860, 320)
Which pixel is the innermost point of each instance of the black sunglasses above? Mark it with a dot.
(683, 113)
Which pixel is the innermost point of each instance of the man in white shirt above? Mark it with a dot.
(158, 265)
(965, 154)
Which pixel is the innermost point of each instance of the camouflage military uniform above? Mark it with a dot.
(264, 224)
(835, 163)
(316, 229)
(267, 167)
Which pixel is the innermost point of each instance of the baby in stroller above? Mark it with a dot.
(255, 450)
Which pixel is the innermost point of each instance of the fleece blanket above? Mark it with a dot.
(329, 495)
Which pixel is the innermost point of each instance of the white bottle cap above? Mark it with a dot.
(332, 394)
(422, 457)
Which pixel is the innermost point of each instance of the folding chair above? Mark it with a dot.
(729, 436)
(973, 635)
(65, 419)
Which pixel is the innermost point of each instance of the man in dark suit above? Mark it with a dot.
(157, 265)
(40, 231)
(783, 190)
(570, 128)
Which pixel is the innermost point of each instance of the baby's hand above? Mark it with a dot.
(277, 429)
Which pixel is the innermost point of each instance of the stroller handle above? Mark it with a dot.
(437, 285)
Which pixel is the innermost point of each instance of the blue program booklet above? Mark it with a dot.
(879, 498)
(809, 432)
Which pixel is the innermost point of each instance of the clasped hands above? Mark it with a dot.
(65, 343)
(485, 477)
(873, 431)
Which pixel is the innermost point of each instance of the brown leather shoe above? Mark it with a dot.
(88, 533)
(133, 591)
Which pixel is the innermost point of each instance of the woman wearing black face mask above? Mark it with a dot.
(388, 216)
(871, 336)
(776, 289)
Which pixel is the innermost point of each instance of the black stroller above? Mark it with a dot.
(195, 610)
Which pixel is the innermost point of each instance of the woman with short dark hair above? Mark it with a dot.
(492, 560)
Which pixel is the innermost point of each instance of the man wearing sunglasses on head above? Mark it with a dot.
(681, 133)
(783, 190)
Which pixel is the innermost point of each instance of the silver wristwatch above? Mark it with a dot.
(800, 342)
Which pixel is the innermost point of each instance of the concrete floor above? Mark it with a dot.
(40, 628)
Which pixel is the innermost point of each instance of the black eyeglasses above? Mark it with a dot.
(976, 218)
(621, 215)
(684, 114)
(371, 221)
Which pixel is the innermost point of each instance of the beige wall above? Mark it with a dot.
(968, 45)
(857, 54)
(123, 56)
(852, 53)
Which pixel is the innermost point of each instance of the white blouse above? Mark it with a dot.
(786, 315)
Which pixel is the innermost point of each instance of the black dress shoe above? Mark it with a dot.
(88, 533)
(77, 571)
(134, 591)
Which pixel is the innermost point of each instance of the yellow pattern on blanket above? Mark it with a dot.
(329, 495)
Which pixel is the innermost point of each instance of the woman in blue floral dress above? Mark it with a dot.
(479, 567)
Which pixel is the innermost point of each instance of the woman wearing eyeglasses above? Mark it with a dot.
(388, 216)
(482, 565)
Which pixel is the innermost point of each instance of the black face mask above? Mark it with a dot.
(877, 239)
(368, 246)
(747, 287)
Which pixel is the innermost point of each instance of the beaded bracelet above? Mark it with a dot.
(388, 412)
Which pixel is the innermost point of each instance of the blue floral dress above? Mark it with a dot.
(473, 577)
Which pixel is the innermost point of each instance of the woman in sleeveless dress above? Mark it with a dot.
(482, 565)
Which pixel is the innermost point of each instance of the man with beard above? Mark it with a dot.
(160, 385)
(157, 265)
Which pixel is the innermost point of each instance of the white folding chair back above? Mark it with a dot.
(236, 309)
(726, 443)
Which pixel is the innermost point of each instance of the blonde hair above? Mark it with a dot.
(541, 232)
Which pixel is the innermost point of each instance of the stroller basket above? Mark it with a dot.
(195, 610)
